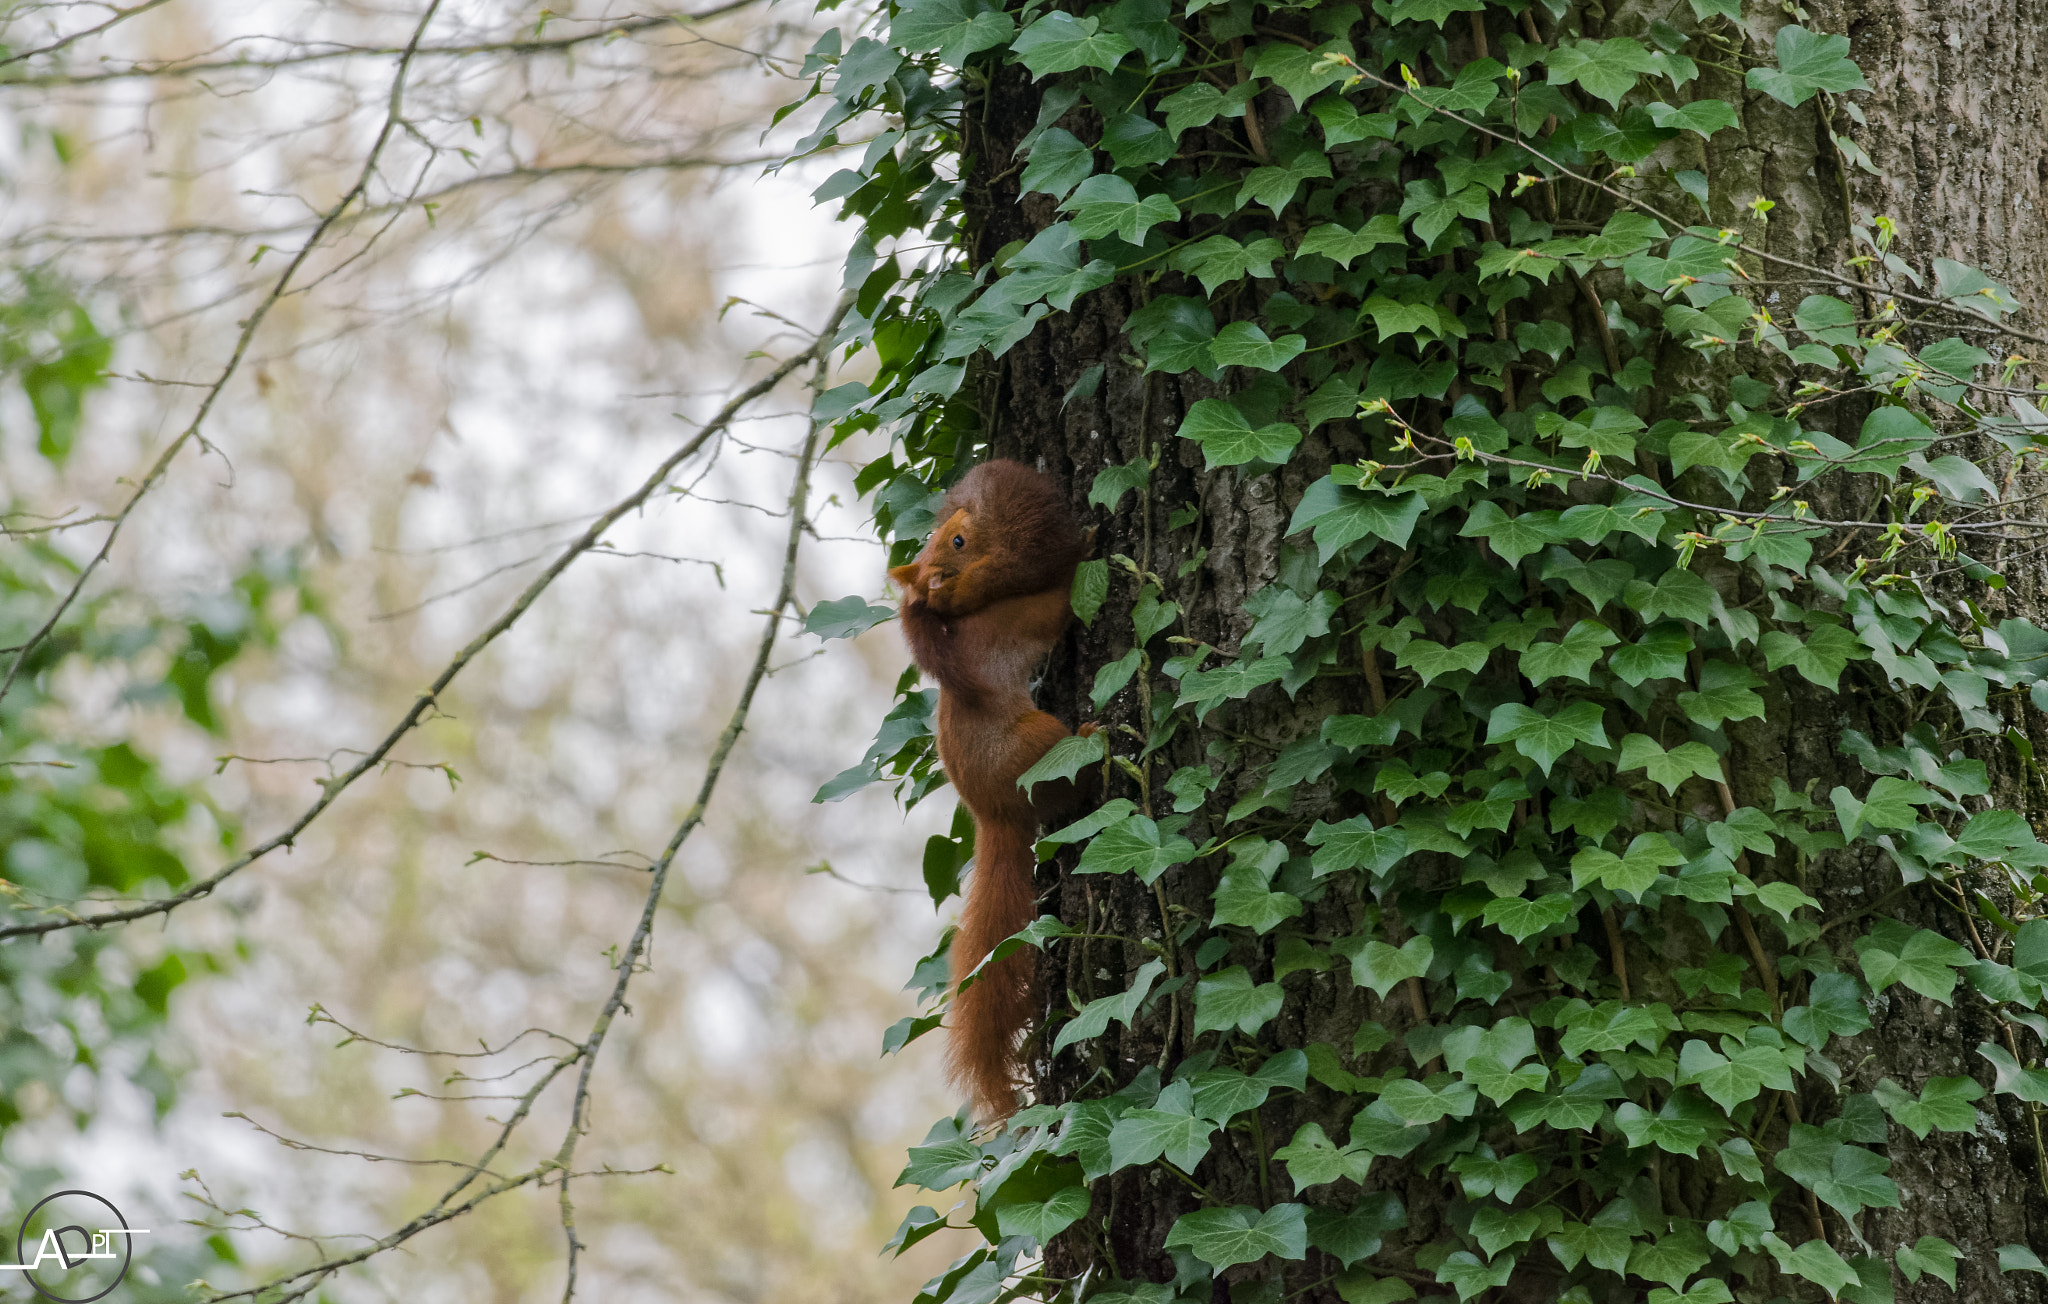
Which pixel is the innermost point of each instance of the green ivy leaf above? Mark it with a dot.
(1275, 186)
(1432, 210)
(1807, 62)
(1723, 695)
(1571, 657)
(1355, 844)
(1109, 205)
(1924, 961)
(1821, 658)
(1944, 1104)
(1066, 758)
(1061, 42)
(1227, 439)
(1223, 1238)
(1095, 1017)
(1219, 260)
(1170, 1130)
(1379, 966)
(1340, 515)
(1847, 1178)
(1633, 871)
(1929, 1254)
(1134, 846)
(1659, 654)
(1243, 344)
(1607, 69)
(1730, 1079)
(1544, 738)
(1471, 1275)
(1834, 1008)
(1703, 116)
(1522, 919)
(954, 28)
(1512, 537)
(1429, 660)
(1814, 1260)
(1668, 769)
(1313, 1159)
(2011, 1079)
(1341, 245)
(1300, 72)
(1230, 999)
(1356, 1233)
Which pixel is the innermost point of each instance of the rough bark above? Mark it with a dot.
(1956, 121)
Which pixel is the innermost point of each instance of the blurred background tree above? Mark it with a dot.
(324, 330)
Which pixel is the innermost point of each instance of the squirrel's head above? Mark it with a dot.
(1003, 531)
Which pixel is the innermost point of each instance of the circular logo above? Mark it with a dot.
(74, 1247)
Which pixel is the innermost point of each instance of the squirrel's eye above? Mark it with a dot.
(959, 542)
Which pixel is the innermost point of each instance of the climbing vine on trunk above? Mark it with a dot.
(1581, 476)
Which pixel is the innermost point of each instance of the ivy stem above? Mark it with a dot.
(1614, 949)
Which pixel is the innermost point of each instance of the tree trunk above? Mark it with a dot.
(1956, 125)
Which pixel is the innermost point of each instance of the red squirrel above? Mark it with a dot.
(982, 606)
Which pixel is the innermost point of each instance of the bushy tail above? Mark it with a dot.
(986, 1017)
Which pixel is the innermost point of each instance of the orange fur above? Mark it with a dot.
(982, 605)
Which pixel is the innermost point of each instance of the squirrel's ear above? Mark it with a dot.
(905, 575)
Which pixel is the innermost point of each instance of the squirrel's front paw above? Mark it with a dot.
(1087, 730)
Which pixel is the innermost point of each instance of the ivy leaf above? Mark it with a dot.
(1633, 871)
(1890, 804)
(1244, 896)
(1113, 482)
(1834, 1008)
(1672, 1259)
(1340, 515)
(1924, 961)
(1227, 439)
(1095, 1017)
(1496, 1228)
(1205, 688)
(1275, 186)
(946, 1163)
(1420, 1103)
(1243, 344)
(1814, 1260)
(954, 28)
(1089, 590)
(1678, 594)
(1390, 318)
(1429, 659)
(1060, 42)
(1472, 1275)
(1356, 1234)
(1295, 70)
(1522, 919)
(1313, 1159)
(2030, 1085)
(1604, 1246)
(1847, 1178)
(1201, 103)
(1571, 657)
(1042, 1220)
(1355, 844)
(1727, 1079)
(1431, 11)
(2018, 1258)
(1059, 162)
(1607, 69)
(1341, 245)
(1134, 846)
(1723, 695)
(1433, 211)
(1544, 738)
(1223, 1238)
(1944, 1103)
(1512, 537)
(1668, 769)
(1659, 654)
(1219, 260)
(844, 617)
(1178, 1135)
(1929, 1254)
(1230, 999)
(1821, 658)
(1808, 62)
(1109, 205)
(1379, 966)
(1066, 758)
(1703, 116)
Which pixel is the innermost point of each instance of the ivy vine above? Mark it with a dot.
(1578, 517)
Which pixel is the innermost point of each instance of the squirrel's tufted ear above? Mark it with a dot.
(905, 575)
